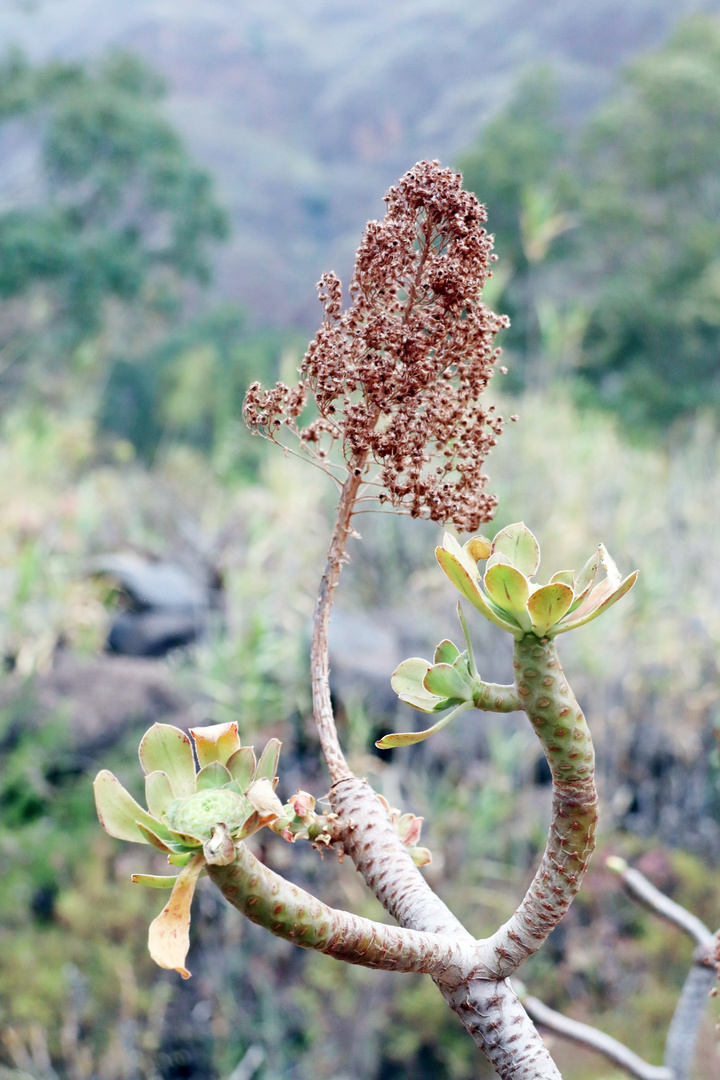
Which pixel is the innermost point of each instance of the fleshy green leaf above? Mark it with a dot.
(215, 742)
(153, 839)
(118, 812)
(522, 549)
(429, 703)
(213, 775)
(409, 738)
(586, 577)
(510, 590)
(460, 663)
(462, 581)
(600, 599)
(564, 577)
(158, 793)
(608, 564)
(154, 881)
(267, 765)
(169, 935)
(446, 653)
(463, 556)
(408, 677)
(234, 786)
(241, 766)
(180, 858)
(498, 557)
(184, 839)
(166, 749)
(444, 681)
(547, 605)
(251, 825)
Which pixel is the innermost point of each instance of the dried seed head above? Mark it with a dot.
(397, 377)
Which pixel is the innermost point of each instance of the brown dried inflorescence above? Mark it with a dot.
(397, 377)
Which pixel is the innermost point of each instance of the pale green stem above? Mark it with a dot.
(560, 725)
(494, 697)
(471, 656)
(295, 915)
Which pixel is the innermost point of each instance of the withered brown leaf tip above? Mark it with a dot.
(397, 377)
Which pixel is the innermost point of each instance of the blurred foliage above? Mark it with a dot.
(95, 251)
(106, 256)
(190, 386)
(608, 238)
(651, 232)
(515, 169)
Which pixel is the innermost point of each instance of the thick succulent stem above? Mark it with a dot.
(494, 697)
(383, 860)
(560, 725)
(495, 1018)
(489, 1008)
(552, 709)
(291, 913)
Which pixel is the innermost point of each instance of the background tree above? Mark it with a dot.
(108, 242)
(517, 170)
(648, 252)
(609, 241)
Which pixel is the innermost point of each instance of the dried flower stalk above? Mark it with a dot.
(396, 379)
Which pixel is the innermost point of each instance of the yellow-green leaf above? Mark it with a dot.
(213, 775)
(520, 546)
(153, 839)
(462, 581)
(154, 881)
(446, 653)
(547, 605)
(158, 793)
(169, 935)
(427, 703)
(118, 812)
(444, 681)
(409, 738)
(510, 590)
(267, 765)
(600, 599)
(215, 742)
(408, 677)
(241, 766)
(167, 749)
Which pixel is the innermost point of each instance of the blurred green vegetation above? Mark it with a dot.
(121, 381)
(609, 237)
(106, 263)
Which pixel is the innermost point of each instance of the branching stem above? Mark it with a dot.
(291, 913)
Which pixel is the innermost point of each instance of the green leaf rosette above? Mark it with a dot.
(509, 598)
(194, 815)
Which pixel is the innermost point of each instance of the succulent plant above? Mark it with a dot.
(533, 614)
(195, 815)
(511, 600)
(451, 681)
